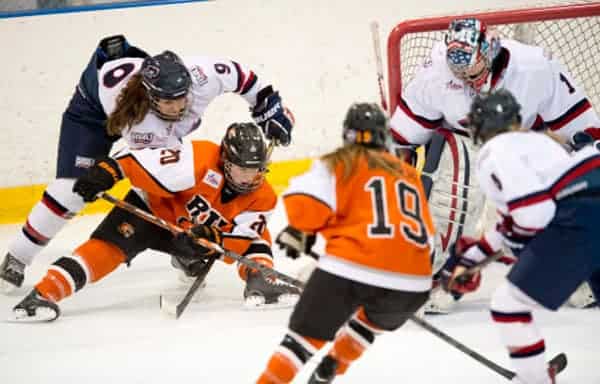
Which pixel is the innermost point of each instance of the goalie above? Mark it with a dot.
(474, 60)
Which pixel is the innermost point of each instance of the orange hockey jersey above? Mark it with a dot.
(185, 185)
(377, 226)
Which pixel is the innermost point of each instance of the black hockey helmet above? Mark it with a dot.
(493, 114)
(365, 124)
(244, 149)
(165, 77)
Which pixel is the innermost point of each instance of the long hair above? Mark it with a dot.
(132, 106)
(349, 154)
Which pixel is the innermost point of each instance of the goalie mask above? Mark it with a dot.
(493, 114)
(365, 124)
(167, 82)
(470, 50)
(245, 157)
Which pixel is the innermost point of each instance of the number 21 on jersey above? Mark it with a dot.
(405, 216)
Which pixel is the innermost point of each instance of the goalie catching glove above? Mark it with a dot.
(295, 242)
(190, 255)
(101, 177)
(275, 120)
(464, 254)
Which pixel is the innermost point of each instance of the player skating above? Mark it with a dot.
(376, 272)
(549, 205)
(218, 191)
(150, 102)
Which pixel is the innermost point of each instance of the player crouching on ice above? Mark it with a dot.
(219, 192)
(549, 203)
(372, 211)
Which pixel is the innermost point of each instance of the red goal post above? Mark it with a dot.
(571, 32)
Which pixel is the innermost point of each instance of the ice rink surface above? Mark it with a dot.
(114, 332)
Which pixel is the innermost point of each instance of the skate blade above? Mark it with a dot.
(253, 303)
(42, 315)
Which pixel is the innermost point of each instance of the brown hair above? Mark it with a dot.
(349, 154)
(132, 106)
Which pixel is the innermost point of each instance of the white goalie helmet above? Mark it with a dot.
(471, 47)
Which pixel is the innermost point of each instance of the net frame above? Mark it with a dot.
(410, 42)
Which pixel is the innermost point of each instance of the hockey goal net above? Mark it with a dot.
(571, 32)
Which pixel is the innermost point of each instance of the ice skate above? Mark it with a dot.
(264, 293)
(35, 308)
(12, 274)
(325, 371)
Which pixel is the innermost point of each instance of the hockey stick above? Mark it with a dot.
(265, 270)
(558, 362)
(183, 303)
(379, 64)
(560, 359)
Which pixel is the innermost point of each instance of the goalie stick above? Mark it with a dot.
(379, 64)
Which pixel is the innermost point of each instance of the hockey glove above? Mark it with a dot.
(116, 47)
(295, 242)
(275, 120)
(463, 254)
(101, 177)
(188, 245)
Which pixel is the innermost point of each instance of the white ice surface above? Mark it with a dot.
(114, 332)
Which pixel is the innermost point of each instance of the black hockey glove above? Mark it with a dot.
(295, 242)
(116, 47)
(101, 177)
(189, 255)
(187, 245)
(275, 120)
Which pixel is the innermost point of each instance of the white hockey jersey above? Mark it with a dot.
(525, 174)
(547, 93)
(211, 77)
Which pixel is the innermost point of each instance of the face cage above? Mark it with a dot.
(156, 110)
(475, 81)
(245, 187)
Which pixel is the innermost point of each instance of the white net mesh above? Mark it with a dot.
(573, 41)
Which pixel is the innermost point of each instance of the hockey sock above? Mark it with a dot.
(511, 312)
(293, 352)
(350, 343)
(90, 262)
(57, 206)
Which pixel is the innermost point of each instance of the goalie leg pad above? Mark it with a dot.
(455, 201)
